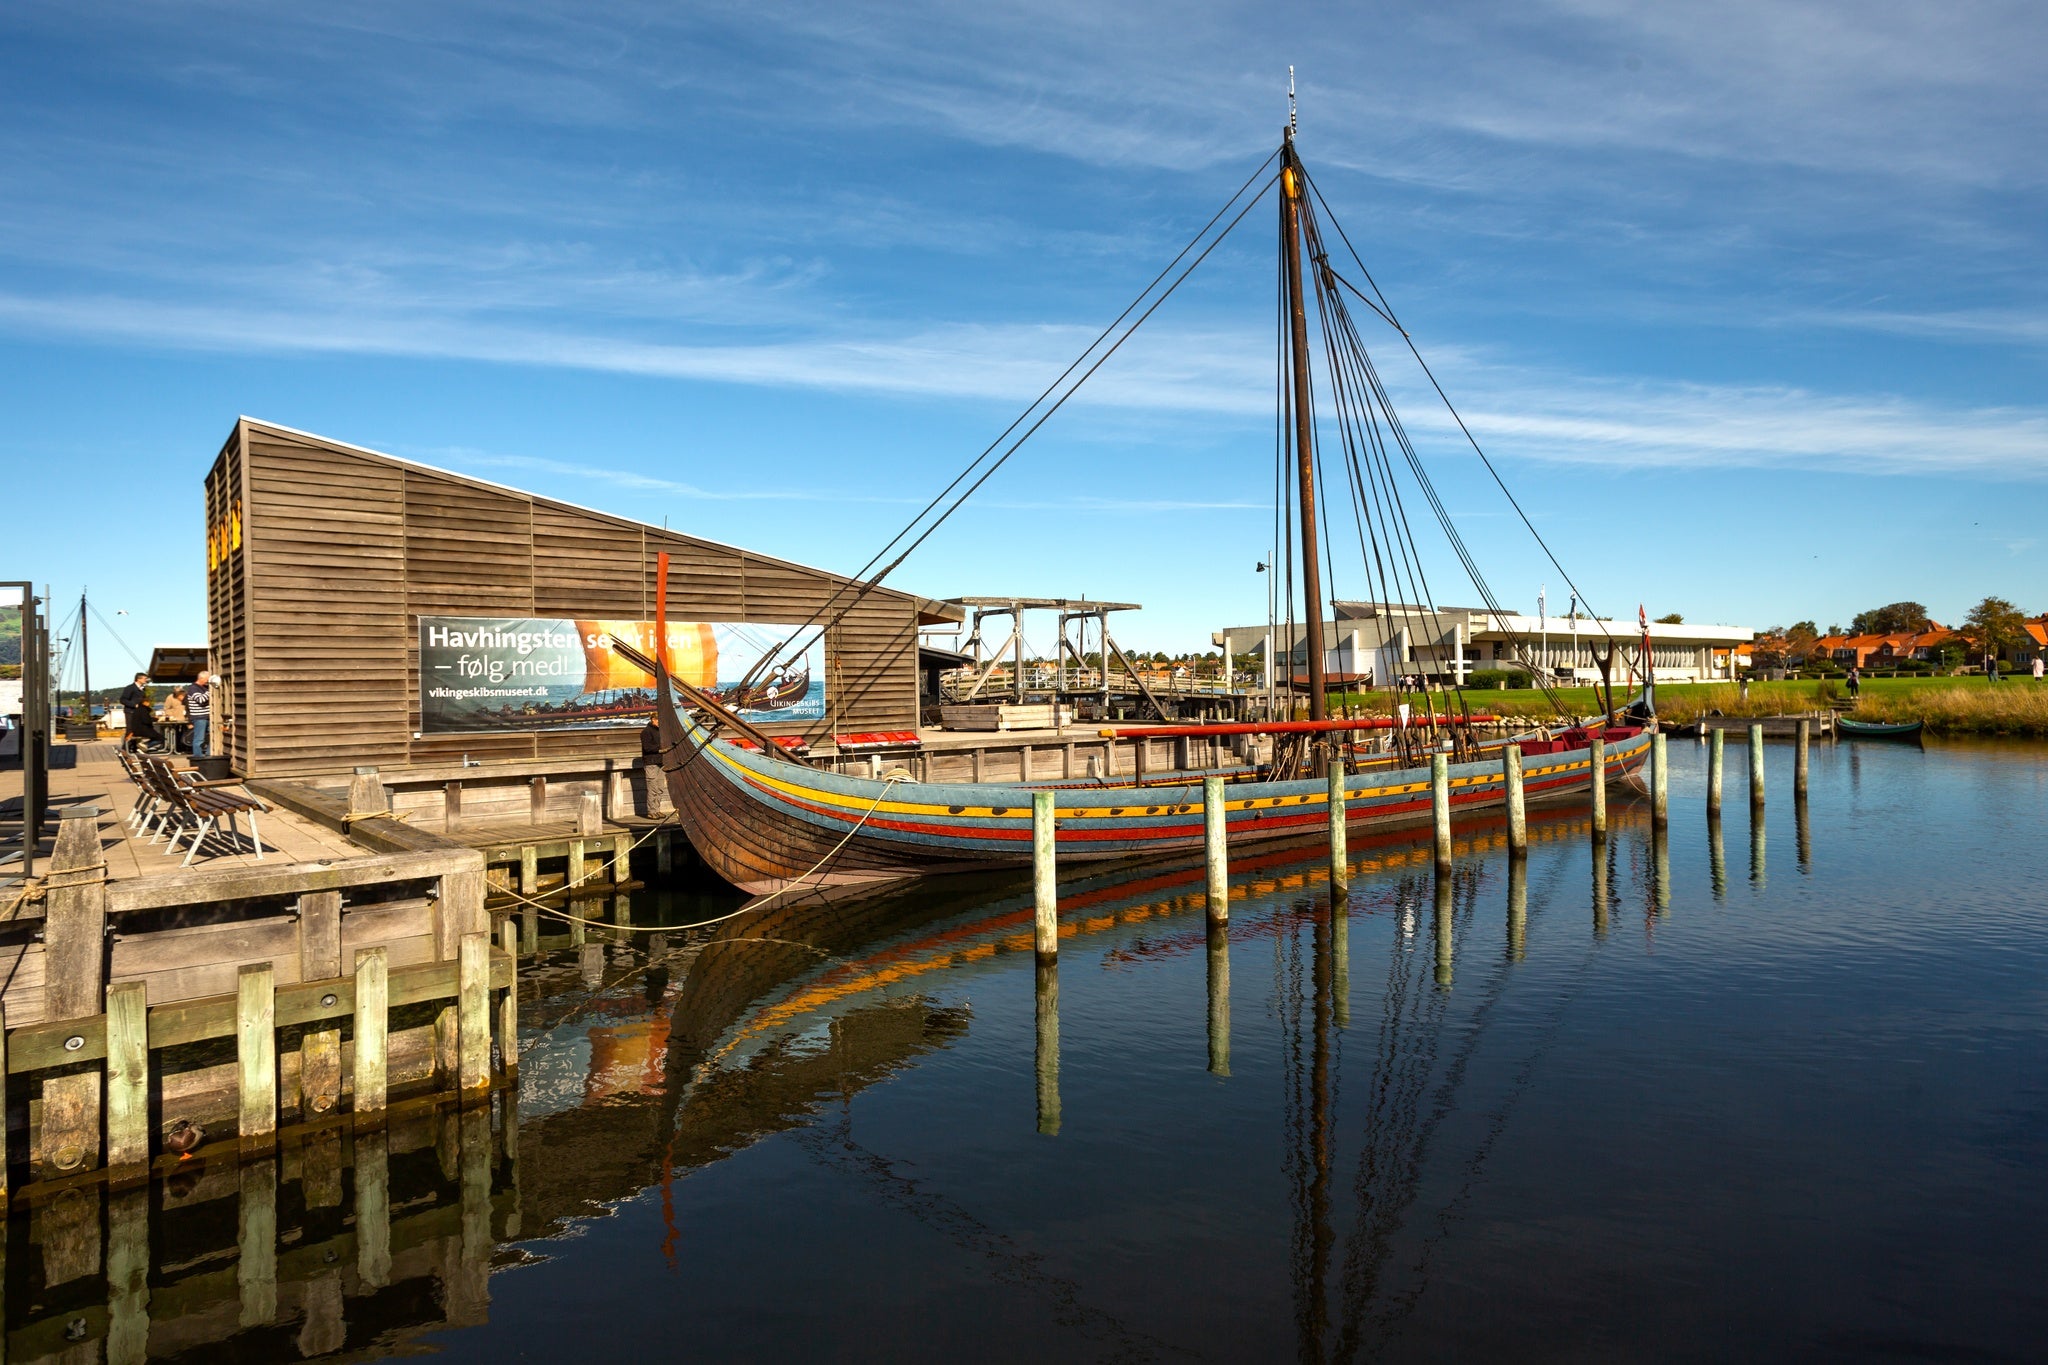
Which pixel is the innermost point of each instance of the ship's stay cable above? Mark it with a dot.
(861, 583)
(1386, 311)
(1350, 361)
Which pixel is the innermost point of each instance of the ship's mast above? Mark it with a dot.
(1292, 185)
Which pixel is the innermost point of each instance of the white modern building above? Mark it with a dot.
(1379, 641)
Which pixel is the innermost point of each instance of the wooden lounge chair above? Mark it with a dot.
(188, 805)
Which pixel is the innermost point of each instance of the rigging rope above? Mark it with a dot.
(866, 585)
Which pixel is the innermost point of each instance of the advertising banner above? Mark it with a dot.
(496, 674)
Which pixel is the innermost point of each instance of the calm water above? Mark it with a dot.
(1787, 1101)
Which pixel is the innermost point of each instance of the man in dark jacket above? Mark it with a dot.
(135, 708)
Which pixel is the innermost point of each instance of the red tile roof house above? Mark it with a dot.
(1877, 651)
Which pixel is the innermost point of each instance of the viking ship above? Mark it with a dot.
(768, 822)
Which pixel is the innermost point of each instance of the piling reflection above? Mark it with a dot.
(1443, 933)
(1219, 998)
(1046, 1056)
(1804, 828)
(1660, 862)
(1518, 909)
(690, 1048)
(1602, 879)
(1717, 858)
(1756, 847)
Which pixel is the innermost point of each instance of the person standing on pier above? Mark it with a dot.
(199, 711)
(135, 712)
(1855, 683)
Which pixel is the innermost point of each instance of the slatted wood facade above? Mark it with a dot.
(316, 614)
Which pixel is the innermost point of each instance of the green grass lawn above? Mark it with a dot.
(1969, 704)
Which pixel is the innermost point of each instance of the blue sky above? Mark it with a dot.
(1747, 300)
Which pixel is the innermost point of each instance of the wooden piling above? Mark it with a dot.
(664, 853)
(74, 972)
(256, 1052)
(1716, 744)
(127, 1074)
(1518, 819)
(1340, 868)
(1660, 781)
(373, 996)
(1044, 880)
(1440, 809)
(1599, 776)
(529, 870)
(473, 1012)
(319, 960)
(575, 871)
(508, 1008)
(1756, 765)
(1216, 845)
(590, 814)
(1801, 733)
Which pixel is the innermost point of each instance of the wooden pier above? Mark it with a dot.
(152, 1011)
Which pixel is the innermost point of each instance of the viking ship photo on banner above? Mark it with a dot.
(496, 673)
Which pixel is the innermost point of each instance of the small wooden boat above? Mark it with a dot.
(1877, 729)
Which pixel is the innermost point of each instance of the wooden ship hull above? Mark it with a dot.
(766, 825)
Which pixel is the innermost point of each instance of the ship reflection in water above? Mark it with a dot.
(1608, 1099)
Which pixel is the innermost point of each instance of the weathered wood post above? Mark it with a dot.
(590, 815)
(1340, 861)
(529, 870)
(473, 1013)
(319, 960)
(1219, 999)
(1660, 781)
(1044, 879)
(1046, 1056)
(1216, 846)
(508, 1008)
(75, 976)
(373, 1013)
(256, 1053)
(367, 796)
(1716, 744)
(1756, 765)
(1599, 775)
(1804, 833)
(127, 1075)
(1440, 809)
(1801, 734)
(1518, 817)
